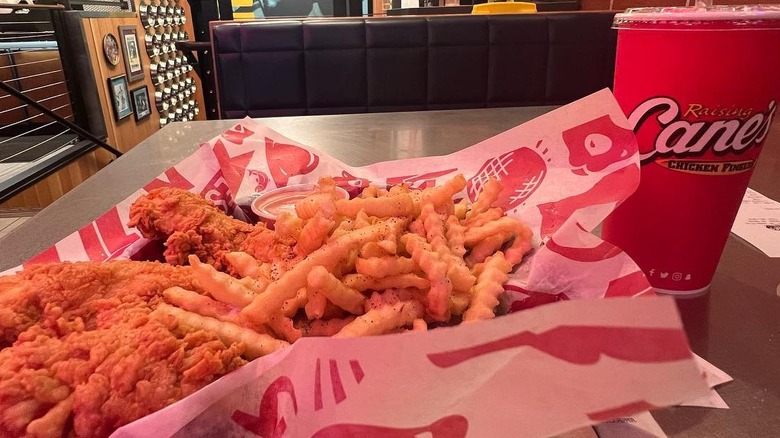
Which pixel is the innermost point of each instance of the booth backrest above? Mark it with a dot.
(274, 68)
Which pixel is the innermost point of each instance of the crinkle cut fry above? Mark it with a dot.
(490, 284)
(325, 283)
(343, 227)
(200, 304)
(379, 249)
(372, 249)
(461, 207)
(363, 220)
(456, 236)
(291, 306)
(395, 205)
(383, 320)
(314, 234)
(457, 271)
(370, 192)
(399, 188)
(486, 248)
(323, 327)
(441, 196)
(436, 270)
(284, 328)
(246, 266)
(362, 283)
(322, 203)
(346, 264)
(385, 265)
(315, 306)
(392, 296)
(221, 286)
(489, 194)
(491, 214)
(522, 236)
(521, 244)
(257, 344)
(261, 309)
(434, 229)
(288, 226)
(312, 204)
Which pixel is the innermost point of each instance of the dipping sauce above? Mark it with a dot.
(267, 206)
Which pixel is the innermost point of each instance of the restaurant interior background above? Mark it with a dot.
(84, 81)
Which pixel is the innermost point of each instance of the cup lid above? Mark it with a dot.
(747, 13)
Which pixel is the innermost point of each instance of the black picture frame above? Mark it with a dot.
(131, 48)
(142, 107)
(120, 97)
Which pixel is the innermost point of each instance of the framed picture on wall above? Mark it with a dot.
(120, 97)
(141, 107)
(132, 50)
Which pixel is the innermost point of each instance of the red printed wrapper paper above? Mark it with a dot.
(534, 373)
(531, 373)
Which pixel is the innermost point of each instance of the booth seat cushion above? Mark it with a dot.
(297, 67)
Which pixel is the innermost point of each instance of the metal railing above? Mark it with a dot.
(99, 5)
(42, 125)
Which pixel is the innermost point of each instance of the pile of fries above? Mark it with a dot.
(386, 261)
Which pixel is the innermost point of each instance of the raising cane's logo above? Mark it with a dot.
(684, 139)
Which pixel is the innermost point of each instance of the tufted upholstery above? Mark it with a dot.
(271, 68)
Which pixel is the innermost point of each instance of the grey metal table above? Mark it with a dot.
(736, 325)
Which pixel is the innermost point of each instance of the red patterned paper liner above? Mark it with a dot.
(562, 174)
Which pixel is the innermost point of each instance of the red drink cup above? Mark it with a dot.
(701, 87)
